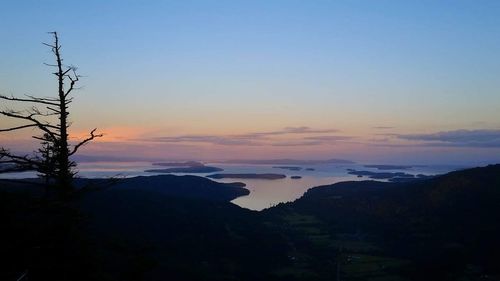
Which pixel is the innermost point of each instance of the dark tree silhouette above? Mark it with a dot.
(52, 160)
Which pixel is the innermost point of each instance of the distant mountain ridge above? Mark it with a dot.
(287, 161)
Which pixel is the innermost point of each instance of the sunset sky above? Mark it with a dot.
(370, 81)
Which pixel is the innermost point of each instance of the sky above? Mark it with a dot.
(370, 81)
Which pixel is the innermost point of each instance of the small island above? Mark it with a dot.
(295, 177)
(290, 168)
(392, 176)
(188, 167)
(179, 164)
(247, 176)
(189, 170)
(389, 167)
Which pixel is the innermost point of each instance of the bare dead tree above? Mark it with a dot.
(52, 160)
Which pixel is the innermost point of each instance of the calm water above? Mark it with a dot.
(263, 193)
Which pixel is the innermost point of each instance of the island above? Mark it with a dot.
(295, 177)
(247, 176)
(188, 170)
(179, 164)
(310, 169)
(389, 167)
(392, 176)
(290, 168)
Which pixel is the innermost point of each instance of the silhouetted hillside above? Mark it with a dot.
(176, 186)
(446, 225)
(185, 228)
(143, 228)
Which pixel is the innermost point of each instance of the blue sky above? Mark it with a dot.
(223, 68)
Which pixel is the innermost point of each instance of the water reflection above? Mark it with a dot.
(265, 193)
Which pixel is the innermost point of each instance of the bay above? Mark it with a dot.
(264, 193)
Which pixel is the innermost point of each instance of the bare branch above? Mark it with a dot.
(45, 139)
(43, 127)
(56, 111)
(43, 99)
(49, 45)
(12, 98)
(18, 128)
(36, 112)
(14, 114)
(92, 136)
(73, 80)
(7, 157)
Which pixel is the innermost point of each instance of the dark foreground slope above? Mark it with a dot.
(157, 231)
(185, 228)
(145, 228)
(444, 228)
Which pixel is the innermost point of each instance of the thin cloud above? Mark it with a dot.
(307, 130)
(457, 138)
(220, 140)
(289, 131)
(329, 138)
(296, 143)
(308, 137)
